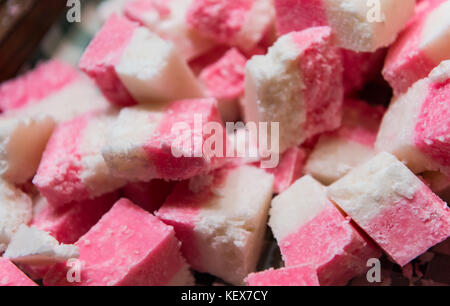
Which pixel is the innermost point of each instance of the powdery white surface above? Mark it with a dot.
(436, 34)
(15, 209)
(295, 207)
(369, 189)
(30, 245)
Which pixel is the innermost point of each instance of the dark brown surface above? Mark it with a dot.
(23, 23)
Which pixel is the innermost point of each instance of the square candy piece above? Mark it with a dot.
(168, 19)
(358, 26)
(127, 247)
(68, 222)
(416, 127)
(72, 167)
(10, 275)
(173, 143)
(224, 80)
(298, 84)
(296, 276)
(310, 230)
(421, 47)
(15, 209)
(33, 104)
(132, 65)
(338, 152)
(240, 23)
(221, 220)
(394, 207)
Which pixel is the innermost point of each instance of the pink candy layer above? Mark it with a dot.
(296, 276)
(289, 169)
(58, 176)
(71, 221)
(432, 131)
(321, 69)
(159, 146)
(409, 228)
(150, 196)
(295, 15)
(127, 247)
(103, 53)
(46, 79)
(219, 20)
(331, 244)
(406, 63)
(10, 275)
(224, 80)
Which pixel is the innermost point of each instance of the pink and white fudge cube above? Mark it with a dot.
(394, 207)
(32, 105)
(295, 276)
(15, 210)
(224, 80)
(132, 65)
(169, 20)
(148, 195)
(310, 230)
(67, 223)
(239, 23)
(416, 127)
(72, 167)
(298, 84)
(338, 152)
(10, 275)
(127, 247)
(221, 220)
(172, 143)
(358, 25)
(421, 47)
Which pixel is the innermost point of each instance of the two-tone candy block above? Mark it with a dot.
(338, 152)
(169, 20)
(32, 105)
(127, 247)
(30, 245)
(298, 84)
(359, 25)
(394, 207)
(178, 142)
(15, 209)
(416, 127)
(221, 220)
(421, 47)
(72, 167)
(295, 276)
(132, 65)
(68, 222)
(310, 230)
(241, 23)
(10, 275)
(224, 80)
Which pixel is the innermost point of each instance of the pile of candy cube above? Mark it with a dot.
(125, 171)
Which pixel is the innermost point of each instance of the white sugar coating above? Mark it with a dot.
(296, 206)
(441, 73)
(436, 33)
(153, 71)
(109, 7)
(334, 157)
(22, 141)
(369, 189)
(354, 31)
(124, 151)
(257, 22)
(15, 209)
(273, 91)
(96, 174)
(232, 225)
(30, 245)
